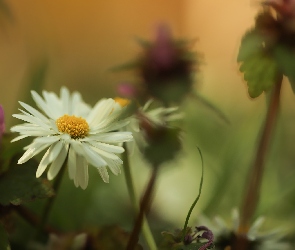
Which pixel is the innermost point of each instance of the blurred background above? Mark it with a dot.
(48, 44)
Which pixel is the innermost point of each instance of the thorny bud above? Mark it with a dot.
(163, 142)
(166, 67)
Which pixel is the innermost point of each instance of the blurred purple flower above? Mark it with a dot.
(127, 90)
(166, 67)
(163, 51)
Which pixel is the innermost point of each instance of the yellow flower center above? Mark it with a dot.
(76, 127)
(122, 101)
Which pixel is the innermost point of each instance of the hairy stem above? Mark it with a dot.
(252, 194)
(143, 209)
(196, 200)
(146, 231)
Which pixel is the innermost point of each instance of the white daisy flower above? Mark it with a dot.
(225, 234)
(73, 132)
(159, 116)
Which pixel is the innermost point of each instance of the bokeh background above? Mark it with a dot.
(47, 44)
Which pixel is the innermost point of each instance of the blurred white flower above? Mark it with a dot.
(73, 132)
(225, 234)
(159, 116)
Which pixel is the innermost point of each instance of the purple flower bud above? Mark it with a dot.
(2, 123)
(127, 90)
(163, 51)
(206, 234)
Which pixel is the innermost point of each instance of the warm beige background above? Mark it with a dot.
(80, 40)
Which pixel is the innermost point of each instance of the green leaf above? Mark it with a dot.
(259, 66)
(4, 244)
(251, 44)
(19, 184)
(286, 61)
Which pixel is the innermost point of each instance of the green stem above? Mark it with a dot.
(252, 194)
(50, 201)
(196, 200)
(144, 207)
(146, 231)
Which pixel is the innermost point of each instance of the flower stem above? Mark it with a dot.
(50, 201)
(144, 207)
(252, 194)
(146, 231)
(196, 200)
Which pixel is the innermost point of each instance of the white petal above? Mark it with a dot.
(105, 154)
(110, 127)
(147, 105)
(114, 166)
(92, 157)
(55, 150)
(252, 233)
(42, 105)
(102, 109)
(72, 163)
(57, 163)
(104, 174)
(33, 111)
(81, 177)
(33, 149)
(113, 137)
(43, 164)
(107, 147)
(78, 106)
(65, 98)
(53, 103)
(19, 138)
(50, 155)
(31, 119)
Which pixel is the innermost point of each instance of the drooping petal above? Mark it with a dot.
(72, 161)
(43, 164)
(33, 149)
(105, 154)
(81, 177)
(50, 155)
(92, 157)
(107, 147)
(104, 174)
(114, 165)
(57, 163)
(112, 137)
